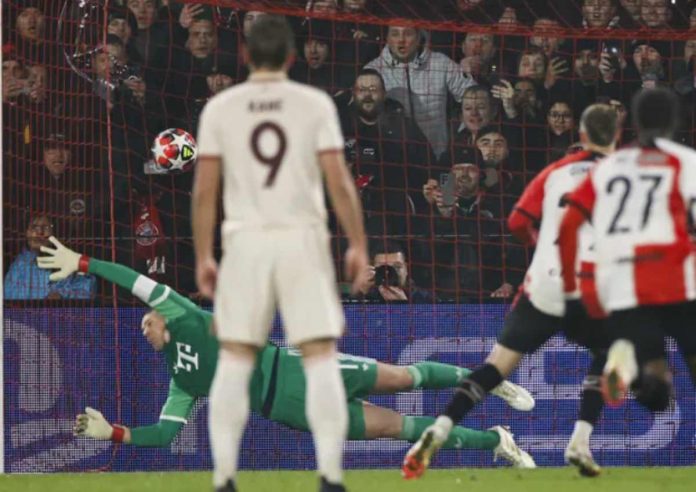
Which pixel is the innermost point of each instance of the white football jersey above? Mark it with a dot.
(269, 132)
(544, 201)
(639, 200)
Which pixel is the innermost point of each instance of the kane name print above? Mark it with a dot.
(265, 106)
(185, 358)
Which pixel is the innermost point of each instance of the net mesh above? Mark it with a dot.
(440, 154)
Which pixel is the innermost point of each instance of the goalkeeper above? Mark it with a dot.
(183, 332)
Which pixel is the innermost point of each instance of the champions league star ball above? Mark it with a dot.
(174, 150)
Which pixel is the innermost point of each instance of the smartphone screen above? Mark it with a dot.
(447, 185)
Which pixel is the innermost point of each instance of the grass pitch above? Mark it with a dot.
(469, 480)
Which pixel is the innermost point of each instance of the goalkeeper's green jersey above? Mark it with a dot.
(191, 352)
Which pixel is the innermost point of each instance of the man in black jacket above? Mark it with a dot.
(390, 155)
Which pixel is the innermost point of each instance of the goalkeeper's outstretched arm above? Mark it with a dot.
(65, 262)
(174, 415)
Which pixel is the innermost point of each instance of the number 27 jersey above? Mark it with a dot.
(269, 132)
(639, 200)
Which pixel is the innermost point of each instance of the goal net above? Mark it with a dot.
(448, 109)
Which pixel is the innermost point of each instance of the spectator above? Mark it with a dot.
(655, 14)
(692, 19)
(477, 112)
(561, 130)
(475, 264)
(151, 41)
(356, 43)
(466, 197)
(14, 80)
(114, 77)
(532, 66)
(25, 280)
(586, 66)
(647, 68)
(317, 66)
(599, 14)
(31, 32)
(389, 279)
(497, 178)
(202, 39)
(557, 63)
(57, 189)
(186, 80)
(684, 69)
(421, 80)
(632, 8)
(56, 156)
(218, 81)
(26, 106)
(528, 106)
(479, 57)
(546, 38)
(122, 23)
(388, 153)
(31, 24)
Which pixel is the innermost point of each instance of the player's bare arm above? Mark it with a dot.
(347, 205)
(204, 199)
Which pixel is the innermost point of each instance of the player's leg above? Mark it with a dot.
(525, 330)
(313, 316)
(588, 332)
(379, 422)
(636, 359)
(680, 327)
(243, 315)
(226, 422)
(435, 375)
(578, 451)
(327, 416)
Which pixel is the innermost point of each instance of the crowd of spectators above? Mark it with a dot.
(443, 129)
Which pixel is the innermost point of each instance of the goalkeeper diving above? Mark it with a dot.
(182, 330)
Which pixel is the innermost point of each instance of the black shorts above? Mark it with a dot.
(647, 327)
(526, 328)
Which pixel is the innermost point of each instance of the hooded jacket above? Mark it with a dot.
(421, 86)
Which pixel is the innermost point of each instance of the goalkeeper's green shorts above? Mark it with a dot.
(359, 377)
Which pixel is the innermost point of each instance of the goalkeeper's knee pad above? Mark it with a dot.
(653, 393)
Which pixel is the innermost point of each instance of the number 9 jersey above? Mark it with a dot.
(639, 201)
(269, 132)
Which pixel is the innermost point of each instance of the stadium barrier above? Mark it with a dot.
(54, 367)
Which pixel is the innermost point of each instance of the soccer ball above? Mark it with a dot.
(174, 150)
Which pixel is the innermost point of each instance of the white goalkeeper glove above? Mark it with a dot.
(62, 259)
(93, 424)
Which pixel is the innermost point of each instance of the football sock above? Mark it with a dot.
(472, 390)
(591, 401)
(459, 437)
(327, 414)
(434, 375)
(582, 432)
(228, 411)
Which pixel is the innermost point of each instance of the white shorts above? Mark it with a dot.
(287, 269)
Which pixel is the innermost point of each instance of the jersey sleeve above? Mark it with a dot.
(173, 416)
(583, 198)
(208, 143)
(160, 297)
(525, 217)
(688, 189)
(329, 136)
